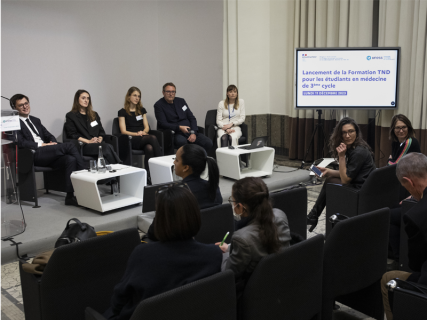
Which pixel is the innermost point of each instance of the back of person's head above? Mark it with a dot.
(177, 214)
(195, 157)
(16, 97)
(253, 195)
(400, 117)
(412, 166)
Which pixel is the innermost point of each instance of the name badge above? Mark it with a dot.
(184, 108)
(232, 113)
(93, 123)
(138, 118)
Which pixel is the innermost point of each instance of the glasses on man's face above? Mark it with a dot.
(26, 104)
(397, 129)
(230, 200)
(178, 185)
(349, 132)
(170, 92)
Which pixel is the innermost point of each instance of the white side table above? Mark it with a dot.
(162, 169)
(132, 182)
(260, 160)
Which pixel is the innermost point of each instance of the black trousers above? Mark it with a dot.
(201, 140)
(92, 149)
(60, 156)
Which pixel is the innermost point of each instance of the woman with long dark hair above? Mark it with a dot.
(355, 160)
(266, 231)
(402, 135)
(175, 260)
(133, 122)
(84, 124)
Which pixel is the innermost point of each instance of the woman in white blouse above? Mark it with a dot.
(230, 115)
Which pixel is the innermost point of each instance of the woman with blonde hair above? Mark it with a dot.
(230, 115)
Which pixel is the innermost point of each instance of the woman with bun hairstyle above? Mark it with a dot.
(84, 124)
(230, 115)
(402, 135)
(133, 122)
(266, 232)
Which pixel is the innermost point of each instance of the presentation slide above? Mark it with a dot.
(346, 78)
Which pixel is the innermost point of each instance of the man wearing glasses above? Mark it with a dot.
(33, 135)
(174, 114)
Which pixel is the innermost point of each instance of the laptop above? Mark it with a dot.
(256, 143)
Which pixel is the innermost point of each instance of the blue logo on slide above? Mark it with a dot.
(392, 103)
(368, 57)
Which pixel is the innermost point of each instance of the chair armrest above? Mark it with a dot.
(25, 160)
(201, 130)
(159, 135)
(167, 140)
(91, 314)
(211, 131)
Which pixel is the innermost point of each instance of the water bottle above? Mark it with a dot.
(102, 167)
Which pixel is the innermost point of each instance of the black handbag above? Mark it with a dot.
(75, 232)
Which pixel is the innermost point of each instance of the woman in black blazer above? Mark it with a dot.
(175, 260)
(84, 124)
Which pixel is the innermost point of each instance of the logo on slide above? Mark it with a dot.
(368, 57)
(392, 103)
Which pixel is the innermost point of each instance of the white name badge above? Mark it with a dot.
(138, 118)
(93, 123)
(184, 108)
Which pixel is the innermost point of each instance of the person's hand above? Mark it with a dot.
(184, 129)
(341, 149)
(144, 133)
(223, 248)
(48, 144)
(405, 199)
(139, 133)
(100, 139)
(192, 138)
(227, 126)
(325, 171)
(93, 140)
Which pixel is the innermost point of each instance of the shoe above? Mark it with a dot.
(71, 201)
(312, 219)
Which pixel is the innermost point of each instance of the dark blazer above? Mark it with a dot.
(158, 267)
(172, 116)
(25, 138)
(415, 221)
(76, 126)
(199, 188)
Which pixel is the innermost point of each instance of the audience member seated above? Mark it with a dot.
(355, 160)
(412, 173)
(84, 124)
(190, 163)
(230, 115)
(266, 232)
(133, 122)
(174, 114)
(175, 260)
(33, 135)
(403, 142)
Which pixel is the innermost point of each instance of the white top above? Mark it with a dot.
(37, 138)
(222, 115)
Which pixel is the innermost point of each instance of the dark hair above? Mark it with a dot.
(76, 105)
(405, 120)
(336, 137)
(253, 194)
(177, 215)
(195, 157)
(138, 109)
(168, 84)
(18, 96)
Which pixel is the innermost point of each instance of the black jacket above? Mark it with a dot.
(200, 189)
(172, 116)
(25, 138)
(415, 221)
(76, 126)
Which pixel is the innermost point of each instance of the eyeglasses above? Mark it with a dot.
(230, 200)
(26, 104)
(349, 132)
(170, 92)
(397, 129)
(178, 185)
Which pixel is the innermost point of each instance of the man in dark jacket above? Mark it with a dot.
(174, 114)
(412, 174)
(33, 135)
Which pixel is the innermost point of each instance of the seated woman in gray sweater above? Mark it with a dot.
(266, 232)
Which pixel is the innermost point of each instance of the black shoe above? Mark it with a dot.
(71, 201)
(312, 219)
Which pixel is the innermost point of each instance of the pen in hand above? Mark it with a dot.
(222, 242)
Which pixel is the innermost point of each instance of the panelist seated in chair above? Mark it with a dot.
(33, 135)
(177, 259)
(190, 163)
(84, 124)
(133, 122)
(355, 160)
(173, 113)
(411, 171)
(266, 230)
(230, 115)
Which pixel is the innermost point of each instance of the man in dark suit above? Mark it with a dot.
(33, 135)
(174, 114)
(412, 174)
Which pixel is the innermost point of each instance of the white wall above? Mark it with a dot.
(50, 49)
